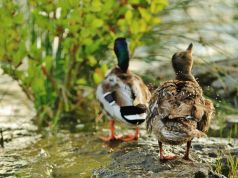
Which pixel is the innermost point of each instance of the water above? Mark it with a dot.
(64, 155)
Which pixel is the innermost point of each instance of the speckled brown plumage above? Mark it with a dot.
(179, 107)
(177, 111)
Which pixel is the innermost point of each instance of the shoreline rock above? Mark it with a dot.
(142, 159)
(17, 130)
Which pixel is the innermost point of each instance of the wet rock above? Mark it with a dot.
(200, 174)
(213, 154)
(219, 80)
(142, 159)
(231, 119)
(228, 127)
(18, 130)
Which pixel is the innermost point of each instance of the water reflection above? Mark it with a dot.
(65, 155)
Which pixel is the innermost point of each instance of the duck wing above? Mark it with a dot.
(117, 94)
(115, 91)
(185, 101)
(208, 114)
(152, 110)
(161, 103)
(141, 92)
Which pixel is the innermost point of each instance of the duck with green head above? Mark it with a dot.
(123, 95)
(177, 111)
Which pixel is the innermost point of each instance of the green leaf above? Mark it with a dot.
(48, 61)
(96, 5)
(96, 23)
(145, 14)
(92, 61)
(81, 81)
(129, 15)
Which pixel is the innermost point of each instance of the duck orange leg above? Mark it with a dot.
(186, 155)
(112, 136)
(162, 156)
(130, 137)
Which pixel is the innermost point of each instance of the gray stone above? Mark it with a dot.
(142, 159)
(232, 119)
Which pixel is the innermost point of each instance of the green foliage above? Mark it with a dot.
(227, 166)
(59, 50)
(233, 166)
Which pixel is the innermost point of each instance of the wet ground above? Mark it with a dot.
(65, 155)
(84, 155)
(18, 131)
(142, 159)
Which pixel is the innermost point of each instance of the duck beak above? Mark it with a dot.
(190, 47)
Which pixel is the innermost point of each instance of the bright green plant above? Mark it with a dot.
(59, 50)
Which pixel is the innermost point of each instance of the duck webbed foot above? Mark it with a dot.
(130, 137)
(166, 158)
(186, 155)
(112, 136)
(162, 156)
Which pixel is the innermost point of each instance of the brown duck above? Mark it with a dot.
(177, 111)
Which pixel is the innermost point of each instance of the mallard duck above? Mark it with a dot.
(177, 111)
(123, 95)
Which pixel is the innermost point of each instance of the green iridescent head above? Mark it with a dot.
(122, 52)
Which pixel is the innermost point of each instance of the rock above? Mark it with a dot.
(228, 127)
(231, 125)
(18, 130)
(231, 119)
(200, 174)
(219, 81)
(142, 159)
(234, 151)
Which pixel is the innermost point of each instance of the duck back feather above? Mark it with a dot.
(178, 110)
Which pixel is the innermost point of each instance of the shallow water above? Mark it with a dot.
(64, 155)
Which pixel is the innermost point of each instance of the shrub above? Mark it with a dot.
(59, 50)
